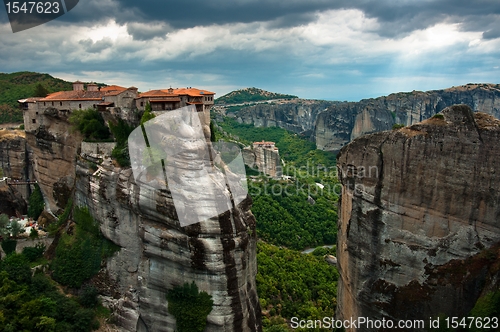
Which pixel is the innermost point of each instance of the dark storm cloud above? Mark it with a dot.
(401, 18)
(189, 13)
(141, 31)
(3, 17)
(101, 10)
(95, 47)
(395, 18)
(492, 34)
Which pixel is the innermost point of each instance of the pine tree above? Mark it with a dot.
(40, 91)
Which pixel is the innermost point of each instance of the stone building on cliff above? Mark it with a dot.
(114, 96)
(171, 99)
(265, 157)
(78, 98)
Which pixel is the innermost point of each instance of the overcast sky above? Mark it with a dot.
(321, 49)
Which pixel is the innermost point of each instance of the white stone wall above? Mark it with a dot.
(98, 148)
(29, 115)
(268, 161)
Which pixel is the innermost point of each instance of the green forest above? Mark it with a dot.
(292, 214)
(30, 300)
(291, 284)
(289, 219)
(298, 212)
(250, 95)
(294, 149)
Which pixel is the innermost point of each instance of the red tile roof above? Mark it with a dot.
(193, 92)
(113, 93)
(157, 93)
(81, 95)
(74, 95)
(113, 88)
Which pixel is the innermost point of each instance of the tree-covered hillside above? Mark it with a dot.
(15, 86)
(293, 213)
(300, 211)
(250, 95)
(293, 148)
(291, 284)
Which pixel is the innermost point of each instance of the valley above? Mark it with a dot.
(420, 233)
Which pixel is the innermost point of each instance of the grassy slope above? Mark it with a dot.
(21, 85)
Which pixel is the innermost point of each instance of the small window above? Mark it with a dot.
(43, 103)
(34, 120)
(52, 103)
(142, 103)
(60, 103)
(80, 106)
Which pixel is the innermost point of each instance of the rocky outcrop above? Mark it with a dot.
(55, 147)
(12, 201)
(264, 159)
(296, 115)
(419, 226)
(156, 253)
(15, 162)
(13, 158)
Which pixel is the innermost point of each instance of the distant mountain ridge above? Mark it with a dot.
(250, 95)
(333, 124)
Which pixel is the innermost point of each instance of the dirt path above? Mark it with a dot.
(10, 125)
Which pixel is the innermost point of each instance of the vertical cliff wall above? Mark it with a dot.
(55, 147)
(265, 160)
(156, 254)
(297, 115)
(13, 158)
(15, 162)
(419, 211)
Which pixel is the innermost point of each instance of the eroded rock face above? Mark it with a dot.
(342, 122)
(156, 254)
(298, 116)
(55, 147)
(15, 162)
(420, 206)
(12, 201)
(13, 151)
